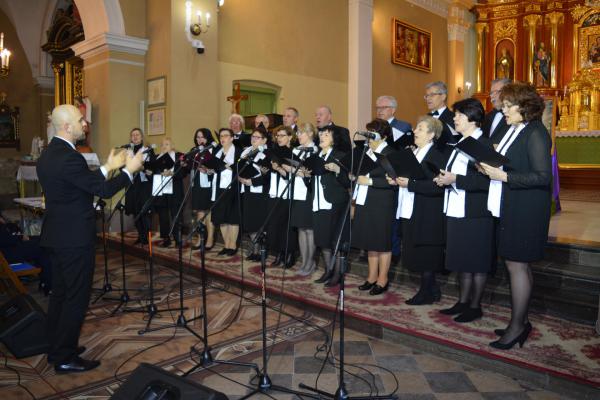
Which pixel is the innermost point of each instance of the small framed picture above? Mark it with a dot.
(156, 121)
(411, 46)
(157, 89)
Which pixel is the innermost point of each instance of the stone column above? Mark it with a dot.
(458, 26)
(360, 63)
(555, 18)
(531, 21)
(480, 28)
(113, 67)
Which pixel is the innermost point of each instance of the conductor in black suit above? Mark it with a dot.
(436, 96)
(69, 231)
(494, 125)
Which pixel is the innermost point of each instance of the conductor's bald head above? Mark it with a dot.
(68, 122)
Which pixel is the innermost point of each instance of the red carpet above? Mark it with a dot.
(558, 347)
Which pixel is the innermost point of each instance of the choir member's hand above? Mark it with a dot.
(390, 180)
(25, 238)
(304, 172)
(495, 174)
(402, 182)
(167, 172)
(116, 159)
(286, 167)
(332, 167)
(363, 180)
(246, 182)
(264, 170)
(135, 162)
(148, 172)
(445, 178)
(210, 171)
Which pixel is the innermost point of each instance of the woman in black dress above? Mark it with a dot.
(375, 206)
(420, 205)
(329, 199)
(520, 196)
(301, 218)
(167, 187)
(226, 212)
(282, 241)
(141, 189)
(469, 224)
(201, 185)
(255, 189)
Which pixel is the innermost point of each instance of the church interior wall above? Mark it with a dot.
(406, 84)
(301, 46)
(22, 91)
(134, 17)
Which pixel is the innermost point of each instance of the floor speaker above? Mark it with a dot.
(149, 382)
(23, 327)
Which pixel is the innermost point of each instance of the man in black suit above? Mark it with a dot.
(240, 138)
(69, 230)
(290, 118)
(323, 117)
(436, 95)
(385, 107)
(494, 125)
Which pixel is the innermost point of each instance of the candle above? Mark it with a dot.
(207, 19)
(199, 15)
(565, 91)
(2, 40)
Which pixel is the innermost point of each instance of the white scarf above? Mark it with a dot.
(495, 192)
(259, 156)
(226, 175)
(454, 198)
(159, 180)
(300, 189)
(319, 202)
(361, 191)
(406, 198)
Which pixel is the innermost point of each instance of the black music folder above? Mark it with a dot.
(481, 153)
(163, 162)
(401, 163)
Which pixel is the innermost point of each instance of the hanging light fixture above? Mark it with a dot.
(4, 57)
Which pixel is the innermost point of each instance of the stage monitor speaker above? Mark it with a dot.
(149, 382)
(23, 327)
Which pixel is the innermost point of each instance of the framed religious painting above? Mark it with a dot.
(411, 46)
(156, 121)
(156, 91)
(587, 38)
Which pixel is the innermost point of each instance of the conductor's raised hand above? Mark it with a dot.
(116, 159)
(135, 162)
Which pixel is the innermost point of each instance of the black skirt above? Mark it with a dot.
(255, 210)
(226, 210)
(373, 221)
(469, 244)
(201, 198)
(302, 214)
(418, 257)
(326, 226)
(277, 234)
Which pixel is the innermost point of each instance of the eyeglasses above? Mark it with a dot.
(256, 137)
(282, 135)
(383, 107)
(428, 95)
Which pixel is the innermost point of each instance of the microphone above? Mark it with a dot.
(196, 150)
(252, 153)
(369, 135)
(126, 146)
(306, 149)
(149, 149)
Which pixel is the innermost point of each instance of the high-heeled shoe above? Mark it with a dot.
(325, 277)
(376, 290)
(367, 285)
(519, 339)
(469, 315)
(501, 332)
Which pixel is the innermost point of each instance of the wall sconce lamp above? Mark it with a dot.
(467, 87)
(194, 29)
(4, 57)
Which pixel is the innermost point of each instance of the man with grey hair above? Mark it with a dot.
(385, 108)
(341, 135)
(236, 124)
(290, 118)
(494, 125)
(436, 95)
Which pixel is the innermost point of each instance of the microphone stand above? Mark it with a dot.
(341, 393)
(107, 287)
(151, 308)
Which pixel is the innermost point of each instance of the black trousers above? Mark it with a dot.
(72, 276)
(166, 211)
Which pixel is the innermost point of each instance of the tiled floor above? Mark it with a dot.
(577, 222)
(374, 367)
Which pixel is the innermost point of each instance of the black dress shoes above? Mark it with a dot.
(458, 308)
(223, 252)
(253, 257)
(325, 277)
(231, 252)
(290, 260)
(278, 260)
(420, 299)
(376, 289)
(77, 364)
(470, 314)
(366, 286)
(78, 351)
(501, 332)
(165, 243)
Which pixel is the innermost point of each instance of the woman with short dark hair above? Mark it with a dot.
(520, 196)
(469, 224)
(201, 186)
(374, 213)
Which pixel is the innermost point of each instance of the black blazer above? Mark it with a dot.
(335, 187)
(498, 133)
(342, 137)
(429, 222)
(476, 185)
(69, 188)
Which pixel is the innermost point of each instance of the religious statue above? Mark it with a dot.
(423, 50)
(594, 51)
(411, 48)
(504, 65)
(541, 66)
(236, 98)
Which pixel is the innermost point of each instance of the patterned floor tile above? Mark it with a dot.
(449, 382)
